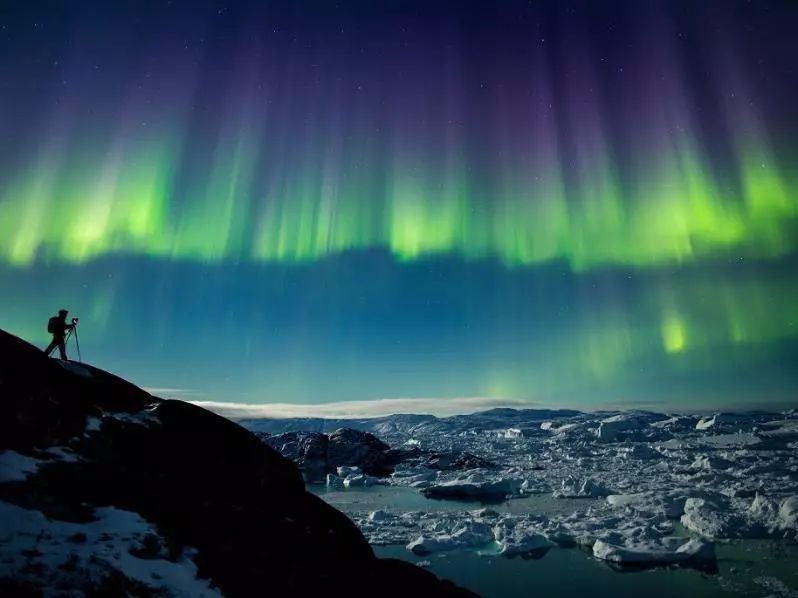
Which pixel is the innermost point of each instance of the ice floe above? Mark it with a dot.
(659, 551)
(474, 487)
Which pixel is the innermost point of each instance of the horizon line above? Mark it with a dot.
(440, 407)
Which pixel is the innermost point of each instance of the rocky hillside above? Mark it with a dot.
(107, 489)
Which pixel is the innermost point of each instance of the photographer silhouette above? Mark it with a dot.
(58, 327)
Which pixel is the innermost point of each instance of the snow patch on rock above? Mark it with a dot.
(75, 556)
(15, 467)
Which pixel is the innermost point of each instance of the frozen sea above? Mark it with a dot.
(745, 567)
(606, 503)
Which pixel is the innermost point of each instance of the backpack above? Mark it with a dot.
(52, 325)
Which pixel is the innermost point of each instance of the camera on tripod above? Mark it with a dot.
(73, 333)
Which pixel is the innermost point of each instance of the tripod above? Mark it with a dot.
(73, 332)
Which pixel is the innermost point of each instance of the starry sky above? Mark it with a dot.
(568, 203)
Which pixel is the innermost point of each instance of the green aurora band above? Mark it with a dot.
(674, 211)
(686, 191)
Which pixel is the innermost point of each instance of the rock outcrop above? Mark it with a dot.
(79, 446)
(318, 454)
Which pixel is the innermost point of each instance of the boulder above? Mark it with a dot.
(318, 454)
(362, 449)
(307, 449)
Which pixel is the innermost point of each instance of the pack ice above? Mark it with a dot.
(641, 488)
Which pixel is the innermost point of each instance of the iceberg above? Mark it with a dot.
(573, 487)
(656, 552)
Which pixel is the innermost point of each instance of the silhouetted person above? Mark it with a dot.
(58, 327)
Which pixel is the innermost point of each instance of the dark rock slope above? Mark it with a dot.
(202, 481)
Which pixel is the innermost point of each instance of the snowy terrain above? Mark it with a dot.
(116, 547)
(654, 489)
(109, 550)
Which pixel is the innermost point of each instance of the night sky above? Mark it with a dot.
(589, 204)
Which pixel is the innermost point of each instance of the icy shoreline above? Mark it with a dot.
(658, 489)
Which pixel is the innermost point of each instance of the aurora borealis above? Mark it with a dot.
(568, 202)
